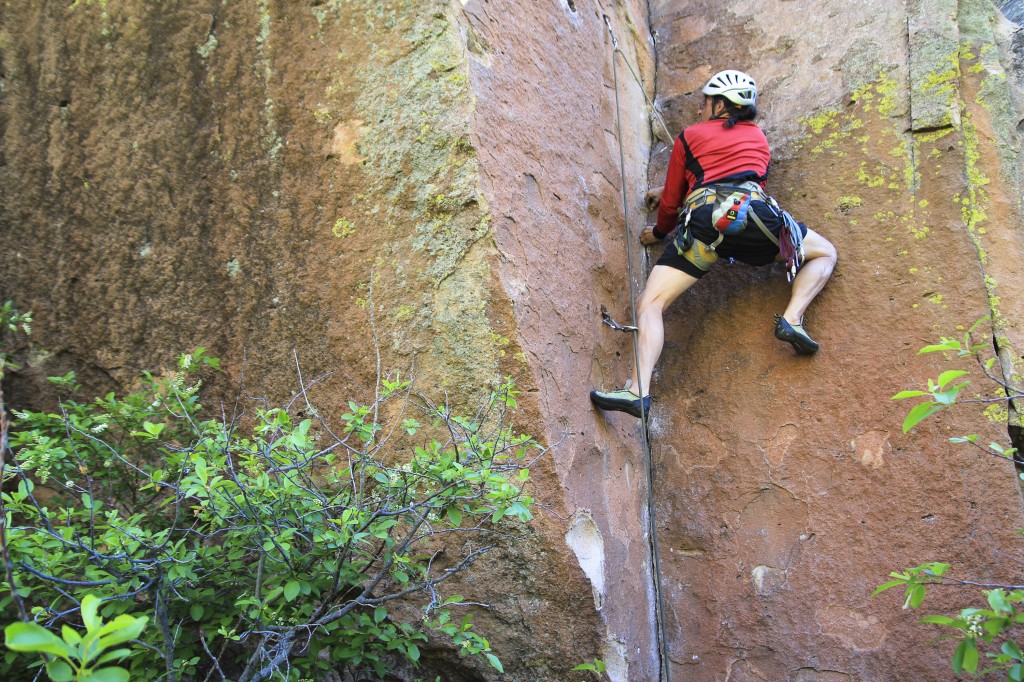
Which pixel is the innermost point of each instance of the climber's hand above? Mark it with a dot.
(653, 198)
(648, 238)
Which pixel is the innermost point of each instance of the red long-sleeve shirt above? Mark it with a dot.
(707, 152)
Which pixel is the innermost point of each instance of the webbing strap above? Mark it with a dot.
(761, 226)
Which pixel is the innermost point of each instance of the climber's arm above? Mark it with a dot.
(672, 194)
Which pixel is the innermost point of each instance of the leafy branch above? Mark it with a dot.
(289, 546)
(973, 626)
(944, 391)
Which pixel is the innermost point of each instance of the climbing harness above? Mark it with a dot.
(644, 432)
(732, 210)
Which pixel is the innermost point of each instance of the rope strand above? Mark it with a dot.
(644, 431)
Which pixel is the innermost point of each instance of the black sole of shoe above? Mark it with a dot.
(801, 344)
(630, 407)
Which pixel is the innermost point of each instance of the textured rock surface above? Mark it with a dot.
(545, 122)
(261, 177)
(786, 490)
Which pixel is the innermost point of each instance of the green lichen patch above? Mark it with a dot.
(848, 203)
(207, 48)
(343, 228)
(421, 151)
(819, 122)
(975, 202)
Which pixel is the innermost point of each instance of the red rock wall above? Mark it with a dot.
(259, 177)
(545, 124)
(786, 489)
(267, 177)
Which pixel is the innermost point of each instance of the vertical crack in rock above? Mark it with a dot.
(910, 101)
(982, 73)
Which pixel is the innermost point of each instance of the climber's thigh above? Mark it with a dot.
(816, 246)
(664, 286)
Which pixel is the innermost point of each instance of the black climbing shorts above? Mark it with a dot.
(750, 246)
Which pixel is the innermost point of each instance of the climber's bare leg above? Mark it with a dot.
(819, 260)
(663, 286)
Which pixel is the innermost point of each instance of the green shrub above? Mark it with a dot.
(986, 634)
(75, 656)
(263, 546)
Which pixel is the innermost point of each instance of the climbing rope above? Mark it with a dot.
(644, 431)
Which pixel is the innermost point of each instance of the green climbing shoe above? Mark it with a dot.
(795, 335)
(621, 401)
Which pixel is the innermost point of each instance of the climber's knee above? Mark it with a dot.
(816, 246)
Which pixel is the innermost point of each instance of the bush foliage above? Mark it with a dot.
(986, 634)
(266, 547)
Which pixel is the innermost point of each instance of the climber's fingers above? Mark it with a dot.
(648, 238)
(653, 198)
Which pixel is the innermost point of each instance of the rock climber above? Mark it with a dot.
(714, 197)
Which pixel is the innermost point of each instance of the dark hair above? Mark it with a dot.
(734, 113)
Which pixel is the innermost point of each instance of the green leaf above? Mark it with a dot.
(970, 660)
(977, 324)
(379, 614)
(197, 611)
(947, 344)
(59, 671)
(939, 620)
(35, 638)
(885, 586)
(455, 516)
(997, 600)
(1010, 648)
(909, 394)
(958, 657)
(919, 413)
(90, 604)
(948, 397)
(122, 629)
(965, 658)
(916, 596)
(70, 635)
(495, 662)
(950, 375)
(292, 589)
(114, 655)
(112, 674)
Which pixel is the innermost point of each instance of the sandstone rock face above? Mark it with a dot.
(268, 177)
(786, 488)
(440, 183)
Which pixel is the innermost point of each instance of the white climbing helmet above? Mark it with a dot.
(735, 86)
